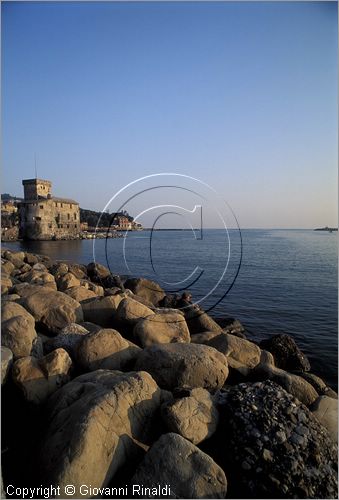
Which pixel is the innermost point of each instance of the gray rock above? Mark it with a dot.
(286, 353)
(288, 452)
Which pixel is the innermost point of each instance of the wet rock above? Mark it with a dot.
(174, 461)
(146, 289)
(106, 349)
(195, 416)
(287, 453)
(95, 424)
(39, 378)
(286, 353)
(161, 328)
(320, 386)
(184, 365)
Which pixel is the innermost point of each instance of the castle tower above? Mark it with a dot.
(35, 189)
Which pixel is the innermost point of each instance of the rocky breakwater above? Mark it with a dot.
(114, 388)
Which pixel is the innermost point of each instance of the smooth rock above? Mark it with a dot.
(239, 349)
(18, 329)
(190, 473)
(325, 409)
(195, 416)
(106, 349)
(66, 281)
(6, 363)
(101, 310)
(184, 365)
(131, 311)
(146, 289)
(95, 424)
(39, 378)
(52, 310)
(80, 293)
(161, 328)
(198, 321)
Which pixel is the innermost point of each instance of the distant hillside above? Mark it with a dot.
(9, 197)
(92, 217)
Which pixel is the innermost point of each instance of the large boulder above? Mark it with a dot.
(295, 385)
(106, 349)
(6, 363)
(198, 321)
(319, 384)
(18, 330)
(286, 353)
(36, 277)
(6, 283)
(67, 281)
(97, 272)
(52, 310)
(240, 349)
(78, 270)
(80, 293)
(271, 446)
(193, 415)
(31, 259)
(184, 365)
(131, 311)
(146, 289)
(161, 328)
(7, 267)
(69, 339)
(39, 378)
(95, 424)
(179, 464)
(204, 337)
(101, 310)
(325, 409)
(16, 258)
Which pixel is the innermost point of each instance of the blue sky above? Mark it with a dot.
(240, 95)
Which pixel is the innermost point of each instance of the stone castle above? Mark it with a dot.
(46, 217)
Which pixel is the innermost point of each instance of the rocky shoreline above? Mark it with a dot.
(109, 385)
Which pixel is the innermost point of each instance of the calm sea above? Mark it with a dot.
(273, 281)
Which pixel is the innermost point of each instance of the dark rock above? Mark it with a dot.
(286, 353)
(287, 453)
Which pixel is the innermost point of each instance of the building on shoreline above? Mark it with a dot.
(45, 217)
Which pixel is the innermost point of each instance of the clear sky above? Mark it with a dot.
(240, 95)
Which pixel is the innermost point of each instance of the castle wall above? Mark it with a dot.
(35, 188)
(49, 219)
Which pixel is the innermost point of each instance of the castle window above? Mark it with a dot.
(67, 226)
(70, 205)
(60, 226)
(37, 218)
(75, 216)
(62, 205)
(50, 226)
(68, 216)
(41, 206)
